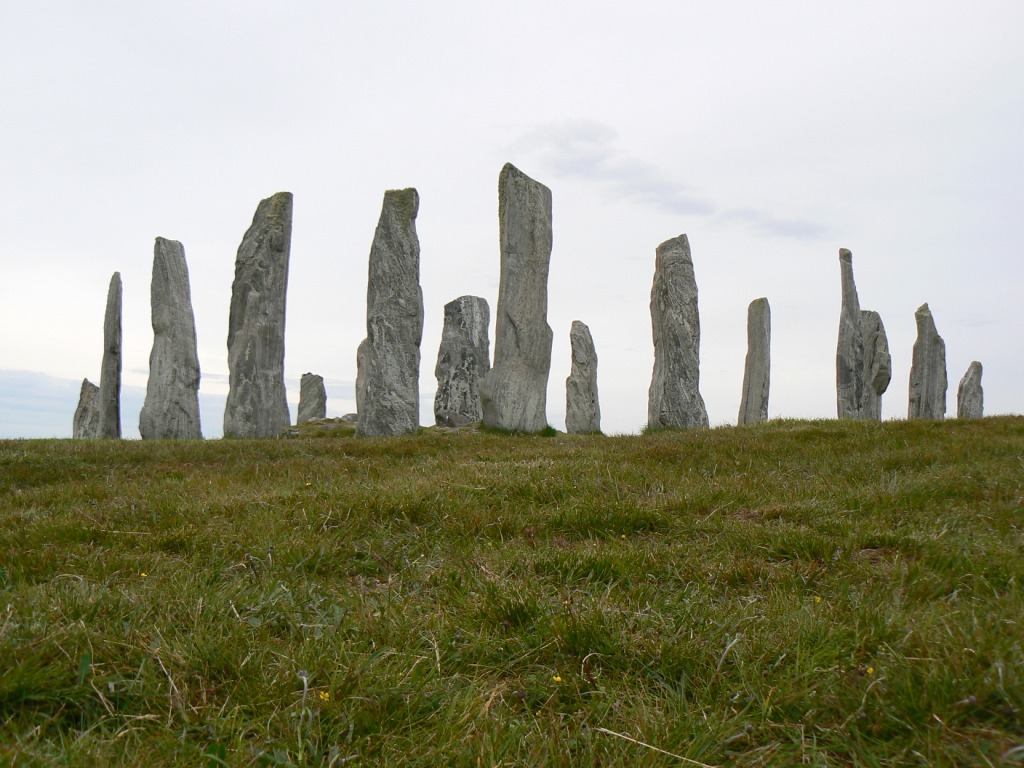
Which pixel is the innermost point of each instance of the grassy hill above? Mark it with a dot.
(816, 593)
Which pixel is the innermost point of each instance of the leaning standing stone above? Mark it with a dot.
(462, 360)
(87, 415)
(257, 404)
(850, 348)
(674, 399)
(757, 368)
(110, 370)
(582, 409)
(394, 322)
(171, 409)
(312, 398)
(928, 371)
(877, 364)
(513, 394)
(970, 398)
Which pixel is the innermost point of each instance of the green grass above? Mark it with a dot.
(799, 593)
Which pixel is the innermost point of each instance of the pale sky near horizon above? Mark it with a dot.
(772, 134)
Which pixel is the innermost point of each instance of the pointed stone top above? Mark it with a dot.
(406, 200)
(510, 172)
(845, 254)
(923, 310)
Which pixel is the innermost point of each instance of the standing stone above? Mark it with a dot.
(850, 349)
(110, 368)
(513, 394)
(86, 425)
(394, 322)
(362, 362)
(582, 409)
(171, 409)
(257, 404)
(928, 370)
(674, 399)
(970, 399)
(757, 368)
(877, 364)
(312, 398)
(462, 360)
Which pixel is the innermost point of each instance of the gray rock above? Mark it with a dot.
(757, 367)
(970, 398)
(312, 398)
(928, 370)
(86, 425)
(850, 348)
(362, 361)
(674, 399)
(257, 405)
(582, 408)
(877, 364)
(171, 409)
(110, 369)
(394, 322)
(463, 358)
(513, 394)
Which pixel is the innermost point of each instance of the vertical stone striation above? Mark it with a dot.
(171, 409)
(877, 364)
(928, 370)
(674, 399)
(257, 404)
(970, 398)
(513, 394)
(850, 349)
(110, 369)
(582, 409)
(463, 359)
(86, 425)
(312, 398)
(394, 322)
(757, 368)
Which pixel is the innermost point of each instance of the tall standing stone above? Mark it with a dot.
(394, 322)
(87, 415)
(582, 408)
(463, 359)
(850, 349)
(110, 369)
(257, 404)
(513, 394)
(928, 370)
(362, 364)
(757, 367)
(312, 398)
(970, 398)
(674, 398)
(877, 364)
(171, 409)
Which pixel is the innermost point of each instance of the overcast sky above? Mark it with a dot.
(771, 133)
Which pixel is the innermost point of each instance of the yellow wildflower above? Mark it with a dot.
(325, 696)
(557, 678)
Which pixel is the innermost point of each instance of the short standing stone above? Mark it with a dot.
(582, 408)
(513, 394)
(110, 370)
(462, 360)
(674, 399)
(928, 371)
(257, 405)
(970, 398)
(87, 415)
(362, 363)
(877, 364)
(850, 348)
(171, 409)
(312, 398)
(757, 367)
(394, 322)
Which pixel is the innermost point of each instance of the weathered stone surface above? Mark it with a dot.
(110, 368)
(877, 364)
(312, 398)
(87, 415)
(850, 349)
(171, 409)
(582, 408)
(928, 370)
(362, 362)
(257, 405)
(757, 367)
(513, 394)
(970, 398)
(394, 322)
(674, 399)
(463, 359)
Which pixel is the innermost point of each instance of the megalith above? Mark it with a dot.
(928, 370)
(674, 399)
(257, 404)
(877, 364)
(86, 424)
(171, 409)
(850, 348)
(513, 394)
(362, 361)
(970, 398)
(394, 322)
(582, 408)
(757, 367)
(312, 398)
(463, 358)
(110, 368)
